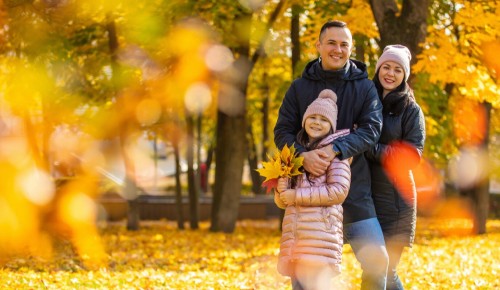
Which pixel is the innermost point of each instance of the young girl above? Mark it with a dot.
(395, 197)
(312, 238)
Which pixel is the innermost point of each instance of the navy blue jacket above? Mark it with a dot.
(358, 103)
(395, 197)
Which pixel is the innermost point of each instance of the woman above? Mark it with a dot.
(403, 132)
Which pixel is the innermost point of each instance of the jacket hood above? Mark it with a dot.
(353, 70)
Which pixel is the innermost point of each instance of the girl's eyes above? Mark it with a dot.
(320, 118)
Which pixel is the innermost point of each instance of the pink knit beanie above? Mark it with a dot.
(397, 53)
(325, 105)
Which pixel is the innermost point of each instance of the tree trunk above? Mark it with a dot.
(130, 193)
(479, 194)
(178, 188)
(265, 119)
(130, 189)
(360, 46)
(229, 157)
(481, 200)
(407, 26)
(208, 165)
(199, 120)
(295, 37)
(192, 184)
(231, 130)
(253, 162)
(230, 150)
(155, 160)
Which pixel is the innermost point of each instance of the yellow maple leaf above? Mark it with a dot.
(284, 163)
(271, 169)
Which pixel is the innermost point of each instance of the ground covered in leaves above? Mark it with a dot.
(161, 257)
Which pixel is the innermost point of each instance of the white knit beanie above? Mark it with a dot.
(325, 105)
(397, 53)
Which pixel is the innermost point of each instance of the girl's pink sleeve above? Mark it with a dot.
(338, 181)
(277, 200)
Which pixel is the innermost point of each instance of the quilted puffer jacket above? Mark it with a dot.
(312, 227)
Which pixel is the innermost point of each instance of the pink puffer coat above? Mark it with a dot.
(312, 227)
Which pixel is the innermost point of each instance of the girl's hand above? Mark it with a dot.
(282, 184)
(288, 196)
(278, 201)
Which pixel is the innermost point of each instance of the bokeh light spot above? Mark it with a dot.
(78, 208)
(252, 4)
(219, 57)
(231, 100)
(15, 150)
(148, 112)
(469, 167)
(429, 187)
(198, 97)
(37, 186)
(402, 158)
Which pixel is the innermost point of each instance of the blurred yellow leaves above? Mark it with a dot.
(161, 257)
(25, 85)
(490, 56)
(360, 19)
(461, 52)
(19, 221)
(148, 111)
(469, 120)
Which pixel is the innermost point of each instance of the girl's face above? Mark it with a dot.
(317, 126)
(390, 75)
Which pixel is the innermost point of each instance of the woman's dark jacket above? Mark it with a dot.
(395, 196)
(358, 103)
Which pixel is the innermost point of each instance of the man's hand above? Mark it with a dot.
(329, 151)
(288, 196)
(317, 161)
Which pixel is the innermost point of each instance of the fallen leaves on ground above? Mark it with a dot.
(159, 256)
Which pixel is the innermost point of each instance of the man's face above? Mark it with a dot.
(334, 47)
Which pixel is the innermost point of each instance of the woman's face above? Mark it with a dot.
(391, 75)
(317, 126)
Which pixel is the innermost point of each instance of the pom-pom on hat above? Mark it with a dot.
(325, 105)
(397, 53)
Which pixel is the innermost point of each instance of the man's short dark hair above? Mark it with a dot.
(332, 23)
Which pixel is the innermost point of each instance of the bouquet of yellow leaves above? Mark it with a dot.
(282, 164)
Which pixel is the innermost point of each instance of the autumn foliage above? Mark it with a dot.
(161, 257)
(284, 163)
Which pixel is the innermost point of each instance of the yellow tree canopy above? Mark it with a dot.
(454, 50)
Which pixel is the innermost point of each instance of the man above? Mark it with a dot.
(360, 110)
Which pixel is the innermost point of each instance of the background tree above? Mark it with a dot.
(405, 24)
(454, 60)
